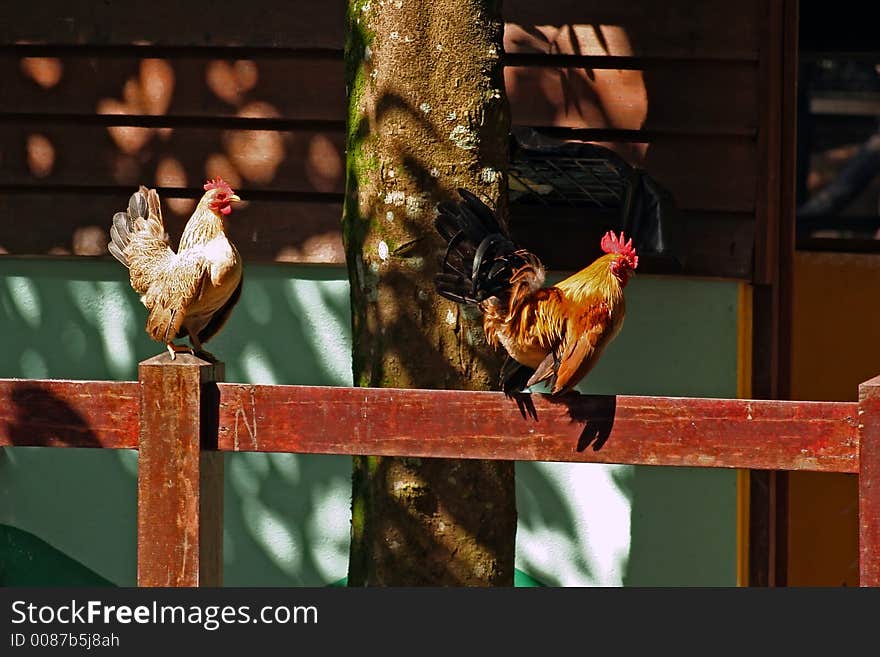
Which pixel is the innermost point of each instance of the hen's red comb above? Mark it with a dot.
(218, 183)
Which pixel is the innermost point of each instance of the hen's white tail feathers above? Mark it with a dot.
(144, 215)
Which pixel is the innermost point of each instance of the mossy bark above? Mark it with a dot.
(427, 114)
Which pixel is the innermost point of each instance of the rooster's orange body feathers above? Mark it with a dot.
(555, 333)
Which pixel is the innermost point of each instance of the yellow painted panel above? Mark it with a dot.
(835, 346)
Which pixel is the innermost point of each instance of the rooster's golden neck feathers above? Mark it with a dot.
(598, 277)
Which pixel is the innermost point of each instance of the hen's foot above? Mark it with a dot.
(205, 355)
(175, 349)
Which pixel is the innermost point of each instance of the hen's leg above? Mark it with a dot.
(198, 350)
(175, 349)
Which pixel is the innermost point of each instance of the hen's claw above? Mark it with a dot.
(174, 349)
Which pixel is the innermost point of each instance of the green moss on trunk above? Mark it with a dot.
(427, 114)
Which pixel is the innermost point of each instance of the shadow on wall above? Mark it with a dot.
(597, 525)
(287, 516)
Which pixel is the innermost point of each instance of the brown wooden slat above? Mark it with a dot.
(69, 154)
(259, 23)
(869, 483)
(79, 224)
(652, 28)
(702, 173)
(698, 171)
(56, 413)
(716, 244)
(290, 88)
(700, 97)
(780, 435)
(180, 480)
(818, 436)
(679, 28)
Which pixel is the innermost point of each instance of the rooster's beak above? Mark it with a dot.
(234, 197)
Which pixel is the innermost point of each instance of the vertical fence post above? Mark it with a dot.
(869, 483)
(180, 483)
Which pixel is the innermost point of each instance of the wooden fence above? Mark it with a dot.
(182, 417)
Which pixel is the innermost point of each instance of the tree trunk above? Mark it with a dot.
(427, 114)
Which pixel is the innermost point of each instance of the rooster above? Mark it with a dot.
(190, 293)
(556, 333)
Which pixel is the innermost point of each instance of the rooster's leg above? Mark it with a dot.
(175, 349)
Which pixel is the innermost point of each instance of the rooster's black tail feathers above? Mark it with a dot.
(480, 257)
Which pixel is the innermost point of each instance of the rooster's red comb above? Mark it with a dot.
(611, 243)
(218, 183)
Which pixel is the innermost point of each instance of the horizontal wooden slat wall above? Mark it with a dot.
(95, 103)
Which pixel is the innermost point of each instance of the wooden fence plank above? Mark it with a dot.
(817, 436)
(180, 479)
(58, 413)
(869, 483)
(729, 433)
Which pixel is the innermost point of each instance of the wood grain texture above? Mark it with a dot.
(869, 483)
(261, 23)
(180, 492)
(774, 243)
(70, 83)
(35, 153)
(703, 173)
(689, 97)
(267, 231)
(715, 97)
(716, 243)
(701, 97)
(714, 29)
(677, 28)
(816, 436)
(57, 413)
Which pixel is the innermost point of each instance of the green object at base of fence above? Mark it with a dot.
(28, 560)
(520, 579)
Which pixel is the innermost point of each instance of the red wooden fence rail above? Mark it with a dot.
(182, 418)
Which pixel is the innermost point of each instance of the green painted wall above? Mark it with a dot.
(287, 515)
(643, 526)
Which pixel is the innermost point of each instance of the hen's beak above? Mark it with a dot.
(234, 197)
